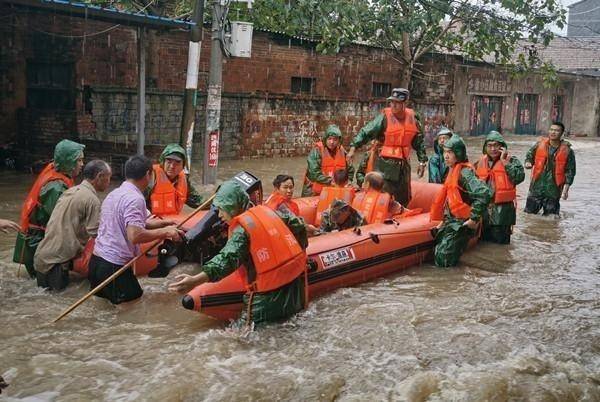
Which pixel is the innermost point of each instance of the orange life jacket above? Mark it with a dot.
(399, 134)
(560, 161)
(276, 199)
(167, 199)
(504, 189)
(373, 154)
(328, 194)
(373, 205)
(329, 164)
(33, 198)
(277, 256)
(450, 194)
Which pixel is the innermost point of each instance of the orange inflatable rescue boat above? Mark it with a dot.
(336, 260)
(342, 258)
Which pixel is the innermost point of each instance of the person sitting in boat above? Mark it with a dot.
(170, 188)
(124, 225)
(340, 216)
(367, 163)
(340, 190)
(459, 205)
(74, 221)
(437, 168)
(269, 244)
(54, 180)
(281, 197)
(324, 159)
(373, 203)
(502, 172)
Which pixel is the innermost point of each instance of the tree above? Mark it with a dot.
(481, 30)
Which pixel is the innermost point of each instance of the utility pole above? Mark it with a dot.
(213, 98)
(141, 138)
(191, 83)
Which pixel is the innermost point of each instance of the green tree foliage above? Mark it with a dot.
(482, 30)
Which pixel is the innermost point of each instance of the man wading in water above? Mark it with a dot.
(553, 163)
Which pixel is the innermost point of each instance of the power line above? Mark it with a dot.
(584, 12)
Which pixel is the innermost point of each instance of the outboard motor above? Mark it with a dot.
(208, 236)
(252, 185)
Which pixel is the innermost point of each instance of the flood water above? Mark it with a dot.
(511, 323)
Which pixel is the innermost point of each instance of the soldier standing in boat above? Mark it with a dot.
(324, 159)
(459, 205)
(553, 163)
(270, 244)
(399, 131)
(502, 172)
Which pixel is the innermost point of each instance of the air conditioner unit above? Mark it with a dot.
(240, 42)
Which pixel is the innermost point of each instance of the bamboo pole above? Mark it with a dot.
(126, 266)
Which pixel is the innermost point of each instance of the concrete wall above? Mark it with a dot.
(585, 117)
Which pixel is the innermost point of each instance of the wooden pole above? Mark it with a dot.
(126, 266)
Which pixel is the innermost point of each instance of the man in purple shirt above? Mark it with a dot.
(124, 224)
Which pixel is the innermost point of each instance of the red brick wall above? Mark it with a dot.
(260, 115)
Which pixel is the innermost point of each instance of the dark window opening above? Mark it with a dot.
(381, 89)
(303, 85)
(557, 108)
(50, 86)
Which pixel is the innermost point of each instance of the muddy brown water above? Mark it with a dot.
(511, 323)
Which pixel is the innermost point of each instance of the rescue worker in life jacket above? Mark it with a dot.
(54, 180)
(437, 168)
(553, 163)
(169, 187)
(399, 130)
(459, 205)
(368, 162)
(324, 159)
(374, 204)
(502, 172)
(271, 247)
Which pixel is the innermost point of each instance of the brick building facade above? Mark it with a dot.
(68, 76)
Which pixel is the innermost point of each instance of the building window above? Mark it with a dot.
(303, 85)
(557, 108)
(50, 86)
(381, 89)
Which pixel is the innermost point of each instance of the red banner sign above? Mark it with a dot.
(213, 149)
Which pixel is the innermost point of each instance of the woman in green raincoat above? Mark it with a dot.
(454, 231)
(232, 200)
(49, 186)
